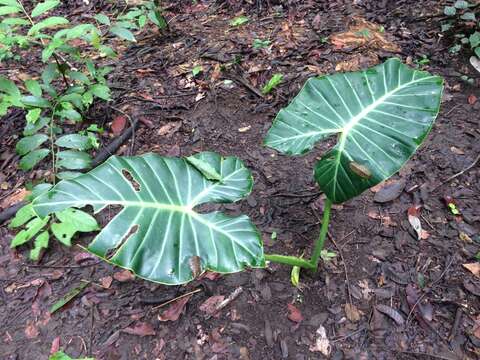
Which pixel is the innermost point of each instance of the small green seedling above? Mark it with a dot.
(272, 83)
(60, 355)
(197, 70)
(327, 255)
(423, 60)
(261, 44)
(239, 20)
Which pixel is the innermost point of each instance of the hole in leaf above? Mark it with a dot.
(195, 263)
(111, 252)
(361, 170)
(130, 178)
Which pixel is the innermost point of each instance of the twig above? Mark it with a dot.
(458, 174)
(452, 109)
(296, 195)
(131, 126)
(345, 268)
(62, 266)
(227, 301)
(346, 242)
(456, 323)
(110, 149)
(177, 298)
(92, 324)
(425, 354)
(431, 287)
(444, 271)
(349, 335)
(247, 85)
(157, 97)
(11, 211)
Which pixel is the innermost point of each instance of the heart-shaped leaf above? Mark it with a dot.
(158, 232)
(380, 117)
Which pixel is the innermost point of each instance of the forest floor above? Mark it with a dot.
(387, 295)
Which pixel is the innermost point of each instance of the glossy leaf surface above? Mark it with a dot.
(159, 232)
(380, 117)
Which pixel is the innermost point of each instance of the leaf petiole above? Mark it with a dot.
(311, 264)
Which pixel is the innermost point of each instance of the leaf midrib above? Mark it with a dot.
(362, 114)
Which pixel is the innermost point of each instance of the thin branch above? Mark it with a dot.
(177, 298)
(475, 162)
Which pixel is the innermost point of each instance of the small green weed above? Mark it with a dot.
(272, 83)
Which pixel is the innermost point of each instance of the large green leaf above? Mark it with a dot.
(47, 23)
(380, 116)
(159, 234)
(42, 8)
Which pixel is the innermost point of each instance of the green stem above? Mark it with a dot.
(319, 243)
(323, 234)
(289, 260)
(52, 142)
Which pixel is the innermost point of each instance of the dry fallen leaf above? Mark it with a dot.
(55, 345)
(475, 63)
(200, 96)
(352, 313)
(13, 198)
(83, 256)
(210, 275)
(476, 331)
(294, 313)
(424, 235)
(357, 62)
(170, 128)
(31, 331)
(106, 281)
(244, 129)
(414, 220)
(173, 312)
(140, 329)
(457, 151)
(422, 309)
(124, 276)
(474, 268)
(472, 99)
(392, 313)
(464, 237)
(210, 305)
(364, 33)
(321, 344)
(118, 124)
(386, 220)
